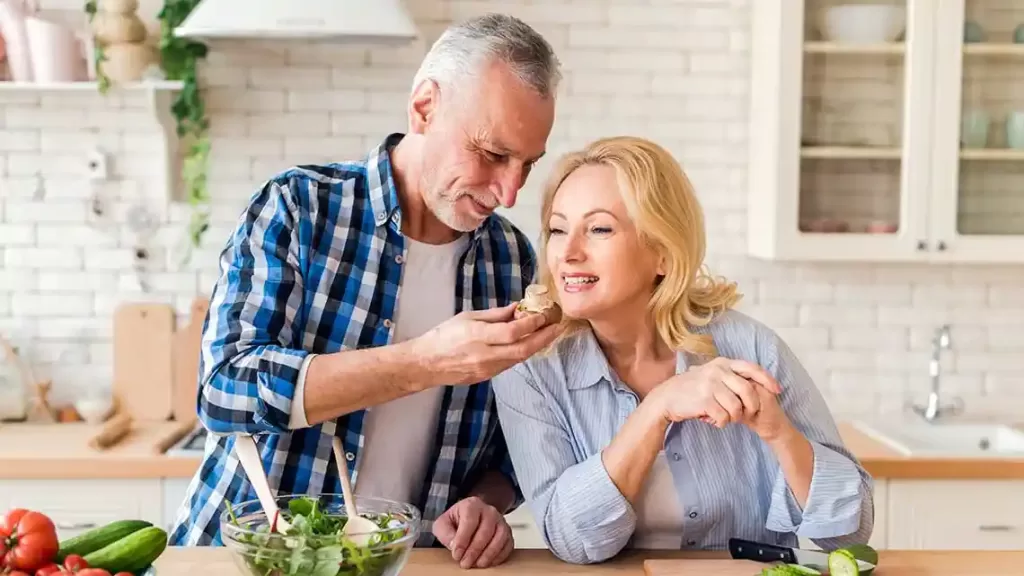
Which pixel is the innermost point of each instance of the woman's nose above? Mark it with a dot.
(573, 249)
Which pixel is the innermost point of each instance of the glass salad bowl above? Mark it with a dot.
(315, 545)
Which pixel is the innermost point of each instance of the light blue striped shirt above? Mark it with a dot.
(558, 411)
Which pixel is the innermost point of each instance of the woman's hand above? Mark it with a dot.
(719, 392)
(770, 422)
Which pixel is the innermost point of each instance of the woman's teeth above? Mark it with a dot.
(577, 280)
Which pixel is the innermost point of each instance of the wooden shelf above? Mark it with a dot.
(168, 85)
(993, 49)
(998, 154)
(840, 48)
(852, 152)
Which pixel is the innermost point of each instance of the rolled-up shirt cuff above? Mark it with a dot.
(598, 516)
(297, 418)
(834, 500)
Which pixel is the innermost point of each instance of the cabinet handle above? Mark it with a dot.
(922, 245)
(941, 246)
(996, 528)
(76, 526)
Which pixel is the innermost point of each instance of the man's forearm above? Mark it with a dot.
(495, 489)
(344, 382)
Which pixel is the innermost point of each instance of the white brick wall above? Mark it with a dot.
(672, 71)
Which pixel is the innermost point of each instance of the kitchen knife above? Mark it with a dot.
(749, 550)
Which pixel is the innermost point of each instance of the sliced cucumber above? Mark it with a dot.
(789, 570)
(842, 563)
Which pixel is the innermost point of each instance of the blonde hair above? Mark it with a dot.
(668, 217)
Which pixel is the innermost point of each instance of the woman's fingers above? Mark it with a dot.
(744, 389)
(729, 402)
(752, 371)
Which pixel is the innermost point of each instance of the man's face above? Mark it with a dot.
(482, 137)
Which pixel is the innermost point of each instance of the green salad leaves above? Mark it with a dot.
(315, 545)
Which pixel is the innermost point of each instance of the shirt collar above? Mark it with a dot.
(384, 191)
(588, 365)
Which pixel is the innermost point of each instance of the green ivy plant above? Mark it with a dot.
(180, 58)
(102, 80)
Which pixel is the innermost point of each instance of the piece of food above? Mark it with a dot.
(97, 538)
(132, 553)
(789, 570)
(842, 563)
(845, 560)
(28, 540)
(536, 300)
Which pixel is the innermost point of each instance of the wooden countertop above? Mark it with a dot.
(435, 562)
(62, 451)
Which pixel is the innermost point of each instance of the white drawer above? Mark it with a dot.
(79, 505)
(956, 514)
(524, 530)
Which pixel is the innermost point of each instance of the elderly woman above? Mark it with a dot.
(662, 418)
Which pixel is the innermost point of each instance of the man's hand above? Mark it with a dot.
(477, 345)
(476, 533)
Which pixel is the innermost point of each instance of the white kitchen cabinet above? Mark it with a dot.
(79, 505)
(865, 151)
(524, 529)
(956, 514)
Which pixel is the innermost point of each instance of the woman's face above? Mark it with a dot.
(600, 266)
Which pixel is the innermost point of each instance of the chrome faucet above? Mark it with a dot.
(934, 408)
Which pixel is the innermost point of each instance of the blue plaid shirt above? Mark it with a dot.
(311, 268)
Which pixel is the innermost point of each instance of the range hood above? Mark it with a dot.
(356, 21)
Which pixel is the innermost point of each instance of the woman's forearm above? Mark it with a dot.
(796, 459)
(629, 456)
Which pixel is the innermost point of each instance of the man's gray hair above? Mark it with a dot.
(492, 37)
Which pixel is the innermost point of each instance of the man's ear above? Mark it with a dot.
(423, 106)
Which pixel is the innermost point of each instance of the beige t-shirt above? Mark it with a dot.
(399, 435)
(659, 516)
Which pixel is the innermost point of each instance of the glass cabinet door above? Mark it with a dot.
(858, 161)
(981, 111)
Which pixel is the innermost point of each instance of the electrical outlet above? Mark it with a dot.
(99, 165)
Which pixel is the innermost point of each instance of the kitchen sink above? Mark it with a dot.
(947, 439)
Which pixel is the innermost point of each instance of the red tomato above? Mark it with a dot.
(74, 563)
(124, 574)
(94, 572)
(18, 573)
(30, 539)
(48, 570)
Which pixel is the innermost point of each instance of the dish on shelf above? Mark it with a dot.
(863, 23)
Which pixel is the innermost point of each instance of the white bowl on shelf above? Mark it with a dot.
(863, 23)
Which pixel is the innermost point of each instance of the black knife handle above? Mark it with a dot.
(748, 550)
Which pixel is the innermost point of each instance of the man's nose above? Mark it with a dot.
(510, 182)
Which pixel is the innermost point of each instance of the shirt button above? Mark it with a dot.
(387, 323)
(677, 456)
(693, 514)
(382, 218)
(350, 456)
(399, 259)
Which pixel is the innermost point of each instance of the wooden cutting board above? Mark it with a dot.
(704, 567)
(143, 360)
(186, 362)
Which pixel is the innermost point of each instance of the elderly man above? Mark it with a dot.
(373, 300)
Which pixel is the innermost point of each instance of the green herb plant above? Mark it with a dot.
(316, 546)
(180, 58)
(102, 81)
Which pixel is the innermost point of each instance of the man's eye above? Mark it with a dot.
(492, 157)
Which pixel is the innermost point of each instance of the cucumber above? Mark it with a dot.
(862, 552)
(842, 563)
(789, 570)
(97, 538)
(133, 553)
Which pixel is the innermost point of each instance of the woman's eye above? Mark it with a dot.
(601, 230)
(552, 231)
